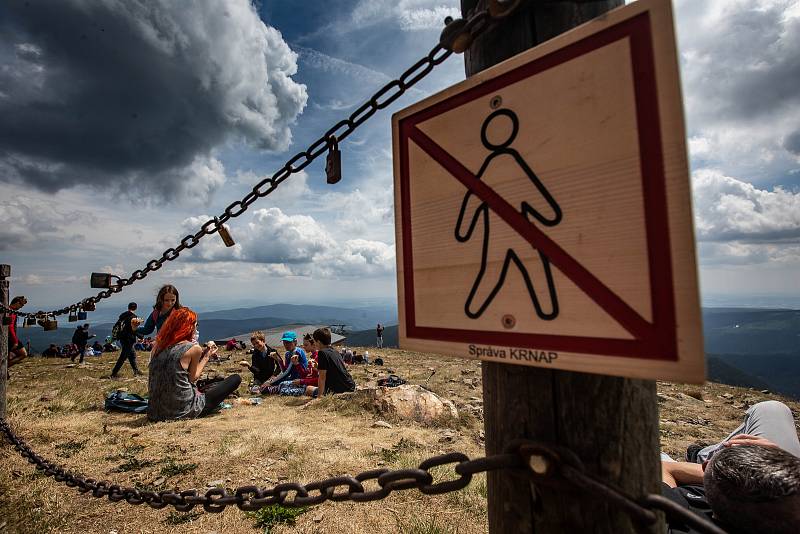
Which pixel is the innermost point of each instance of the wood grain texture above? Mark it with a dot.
(610, 423)
(600, 122)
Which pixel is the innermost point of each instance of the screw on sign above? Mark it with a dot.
(554, 188)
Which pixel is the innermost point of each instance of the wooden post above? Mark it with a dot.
(610, 423)
(5, 272)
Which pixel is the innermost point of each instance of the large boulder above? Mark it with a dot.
(411, 401)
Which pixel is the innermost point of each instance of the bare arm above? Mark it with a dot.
(195, 359)
(323, 374)
(678, 473)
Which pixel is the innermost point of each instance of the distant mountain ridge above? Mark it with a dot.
(757, 348)
(355, 318)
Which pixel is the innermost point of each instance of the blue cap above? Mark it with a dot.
(289, 336)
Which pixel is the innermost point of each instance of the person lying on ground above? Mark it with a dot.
(167, 300)
(263, 366)
(97, 347)
(176, 363)
(293, 365)
(749, 482)
(16, 350)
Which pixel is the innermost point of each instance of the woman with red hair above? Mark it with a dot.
(175, 365)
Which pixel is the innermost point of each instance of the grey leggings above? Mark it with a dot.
(769, 419)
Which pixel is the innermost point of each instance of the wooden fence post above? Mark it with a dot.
(610, 423)
(5, 272)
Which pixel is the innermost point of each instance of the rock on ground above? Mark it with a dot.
(411, 401)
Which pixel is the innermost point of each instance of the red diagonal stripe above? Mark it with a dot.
(594, 288)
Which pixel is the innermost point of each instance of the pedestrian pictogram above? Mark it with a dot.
(488, 282)
(544, 213)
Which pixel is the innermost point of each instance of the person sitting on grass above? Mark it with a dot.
(750, 482)
(167, 300)
(175, 365)
(298, 386)
(293, 365)
(262, 365)
(333, 375)
(51, 351)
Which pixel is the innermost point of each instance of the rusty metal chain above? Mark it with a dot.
(290, 494)
(546, 465)
(455, 37)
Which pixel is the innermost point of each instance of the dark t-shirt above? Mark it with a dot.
(692, 498)
(337, 378)
(263, 365)
(127, 329)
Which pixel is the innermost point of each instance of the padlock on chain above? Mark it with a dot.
(224, 233)
(30, 320)
(333, 165)
(50, 324)
(73, 317)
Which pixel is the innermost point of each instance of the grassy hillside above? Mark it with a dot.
(57, 409)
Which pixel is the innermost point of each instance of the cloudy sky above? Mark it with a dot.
(125, 125)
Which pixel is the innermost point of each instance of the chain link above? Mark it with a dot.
(545, 464)
(289, 494)
(469, 29)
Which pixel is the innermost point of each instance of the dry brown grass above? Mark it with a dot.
(58, 410)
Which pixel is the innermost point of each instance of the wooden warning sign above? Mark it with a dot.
(543, 208)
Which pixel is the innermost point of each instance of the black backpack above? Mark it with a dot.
(391, 382)
(116, 330)
(75, 339)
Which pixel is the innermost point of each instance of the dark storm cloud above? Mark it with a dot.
(792, 143)
(135, 95)
(747, 65)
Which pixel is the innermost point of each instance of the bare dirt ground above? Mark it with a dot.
(59, 410)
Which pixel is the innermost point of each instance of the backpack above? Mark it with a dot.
(120, 401)
(391, 382)
(75, 339)
(116, 330)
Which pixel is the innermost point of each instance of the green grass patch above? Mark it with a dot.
(171, 468)
(179, 518)
(273, 515)
(70, 448)
(132, 464)
(393, 454)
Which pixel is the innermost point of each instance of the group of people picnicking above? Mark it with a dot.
(748, 482)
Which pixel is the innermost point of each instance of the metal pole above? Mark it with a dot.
(610, 423)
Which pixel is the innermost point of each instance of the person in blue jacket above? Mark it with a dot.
(293, 366)
(167, 300)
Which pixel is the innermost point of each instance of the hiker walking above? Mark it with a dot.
(126, 338)
(379, 336)
(80, 338)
